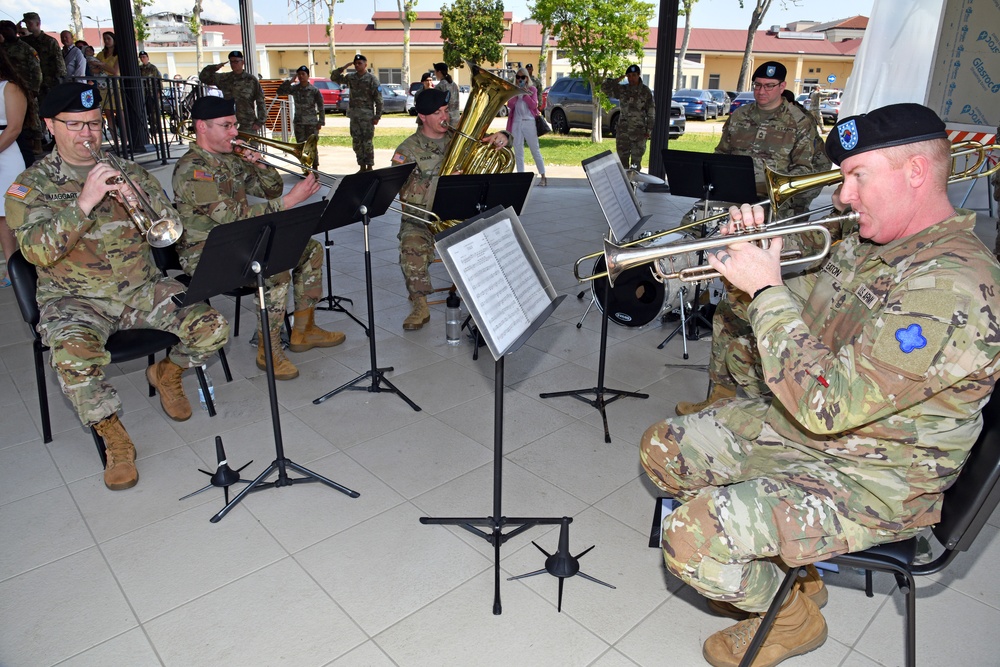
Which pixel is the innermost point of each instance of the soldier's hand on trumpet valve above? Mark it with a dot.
(100, 181)
(746, 265)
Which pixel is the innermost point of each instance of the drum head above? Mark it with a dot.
(635, 299)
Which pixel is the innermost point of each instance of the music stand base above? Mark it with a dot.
(375, 387)
(599, 401)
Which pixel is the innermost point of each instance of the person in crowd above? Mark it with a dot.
(364, 109)
(532, 81)
(878, 365)
(96, 274)
(815, 101)
(241, 87)
(25, 61)
(105, 63)
(521, 113)
(426, 147)
(448, 85)
(635, 120)
(50, 56)
(211, 184)
(310, 112)
(13, 110)
(151, 91)
(76, 63)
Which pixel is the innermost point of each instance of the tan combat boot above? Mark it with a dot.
(798, 628)
(165, 377)
(306, 335)
(283, 368)
(120, 472)
(419, 314)
(809, 583)
(719, 392)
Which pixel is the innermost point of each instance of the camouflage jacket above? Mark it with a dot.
(784, 139)
(428, 153)
(25, 61)
(211, 189)
(149, 70)
(365, 95)
(244, 88)
(636, 103)
(50, 58)
(453, 99)
(880, 368)
(99, 256)
(309, 107)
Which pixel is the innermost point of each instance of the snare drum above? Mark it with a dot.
(698, 212)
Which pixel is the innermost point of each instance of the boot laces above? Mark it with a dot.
(171, 379)
(743, 632)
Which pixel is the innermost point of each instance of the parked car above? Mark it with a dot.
(411, 105)
(330, 92)
(803, 99)
(678, 123)
(740, 100)
(569, 103)
(732, 96)
(697, 103)
(830, 110)
(393, 99)
(722, 99)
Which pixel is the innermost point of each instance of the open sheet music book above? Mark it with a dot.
(499, 277)
(614, 194)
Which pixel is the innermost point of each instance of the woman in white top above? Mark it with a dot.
(521, 112)
(13, 108)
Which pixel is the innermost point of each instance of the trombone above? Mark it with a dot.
(158, 233)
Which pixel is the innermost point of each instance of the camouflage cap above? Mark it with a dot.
(69, 97)
(893, 125)
(32, 16)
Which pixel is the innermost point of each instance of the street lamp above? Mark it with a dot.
(97, 21)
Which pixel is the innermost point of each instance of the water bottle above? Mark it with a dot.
(211, 389)
(453, 319)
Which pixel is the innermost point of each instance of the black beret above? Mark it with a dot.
(235, 54)
(303, 69)
(209, 107)
(431, 100)
(894, 125)
(632, 69)
(143, 53)
(72, 97)
(770, 70)
(358, 56)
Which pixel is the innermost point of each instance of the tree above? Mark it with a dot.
(141, 23)
(195, 25)
(472, 30)
(683, 10)
(407, 15)
(76, 16)
(755, 20)
(543, 63)
(600, 38)
(331, 37)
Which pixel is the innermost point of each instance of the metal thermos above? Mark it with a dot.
(453, 319)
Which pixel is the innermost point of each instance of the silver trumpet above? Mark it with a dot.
(158, 233)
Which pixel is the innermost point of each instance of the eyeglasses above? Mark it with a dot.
(225, 126)
(77, 125)
(520, 78)
(765, 86)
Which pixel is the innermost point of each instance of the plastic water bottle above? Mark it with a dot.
(453, 319)
(211, 389)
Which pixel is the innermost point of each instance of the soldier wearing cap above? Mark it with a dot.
(879, 364)
(364, 109)
(151, 87)
(780, 136)
(211, 185)
(426, 147)
(310, 113)
(96, 274)
(50, 57)
(635, 120)
(241, 87)
(448, 85)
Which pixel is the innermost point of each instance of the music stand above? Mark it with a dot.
(233, 255)
(364, 196)
(706, 176)
(495, 269)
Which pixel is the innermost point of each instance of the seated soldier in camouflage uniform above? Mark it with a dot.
(211, 183)
(96, 275)
(364, 108)
(310, 113)
(240, 86)
(427, 148)
(635, 120)
(878, 366)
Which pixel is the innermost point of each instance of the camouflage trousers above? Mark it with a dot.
(362, 133)
(735, 360)
(630, 143)
(76, 331)
(307, 286)
(416, 252)
(302, 132)
(740, 514)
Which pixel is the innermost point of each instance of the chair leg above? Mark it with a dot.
(772, 613)
(209, 403)
(152, 360)
(101, 448)
(869, 590)
(225, 365)
(236, 318)
(911, 619)
(43, 397)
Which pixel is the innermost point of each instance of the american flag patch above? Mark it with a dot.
(18, 190)
(202, 175)
(399, 158)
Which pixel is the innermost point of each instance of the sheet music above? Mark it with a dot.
(504, 286)
(614, 195)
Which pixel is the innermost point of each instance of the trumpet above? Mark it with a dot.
(158, 233)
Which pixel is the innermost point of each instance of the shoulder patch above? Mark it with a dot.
(18, 190)
(399, 158)
(202, 175)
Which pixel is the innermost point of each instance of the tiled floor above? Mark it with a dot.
(308, 576)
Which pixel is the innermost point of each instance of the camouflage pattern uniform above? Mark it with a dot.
(96, 276)
(814, 110)
(245, 89)
(365, 110)
(151, 90)
(150, 70)
(879, 364)
(50, 59)
(25, 61)
(635, 122)
(454, 112)
(211, 189)
(310, 112)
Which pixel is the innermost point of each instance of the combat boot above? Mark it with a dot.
(798, 628)
(419, 314)
(306, 335)
(719, 392)
(165, 377)
(810, 583)
(120, 472)
(283, 368)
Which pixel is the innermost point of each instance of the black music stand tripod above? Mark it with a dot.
(367, 195)
(334, 302)
(260, 247)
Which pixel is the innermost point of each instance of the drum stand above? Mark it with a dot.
(695, 315)
(334, 302)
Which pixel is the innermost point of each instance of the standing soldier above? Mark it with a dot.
(365, 108)
(240, 86)
(150, 89)
(50, 56)
(814, 102)
(635, 122)
(310, 114)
